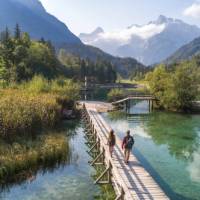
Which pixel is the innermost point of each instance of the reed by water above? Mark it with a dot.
(27, 111)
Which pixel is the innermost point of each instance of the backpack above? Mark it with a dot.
(129, 143)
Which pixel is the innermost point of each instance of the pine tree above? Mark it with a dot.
(17, 34)
(5, 36)
(42, 40)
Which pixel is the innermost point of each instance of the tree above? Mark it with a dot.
(26, 41)
(5, 36)
(3, 71)
(186, 80)
(175, 89)
(17, 34)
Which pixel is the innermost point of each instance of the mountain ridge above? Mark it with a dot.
(150, 43)
(186, 52)
(38, 24)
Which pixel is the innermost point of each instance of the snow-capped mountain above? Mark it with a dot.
(149, 43)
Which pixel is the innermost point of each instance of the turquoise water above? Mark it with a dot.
(71, 181)
(168, 145)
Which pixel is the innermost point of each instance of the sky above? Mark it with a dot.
(83, 16)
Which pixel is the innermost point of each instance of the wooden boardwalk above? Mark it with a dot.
(132, 181)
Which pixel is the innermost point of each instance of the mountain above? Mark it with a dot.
(150, 43)
(186, 52)
(89, 37)
(33, 18)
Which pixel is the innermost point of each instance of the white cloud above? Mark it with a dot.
(193, 10)
(124, 36)
(194, 167)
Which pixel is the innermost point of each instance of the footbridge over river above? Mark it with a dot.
(132, 181)
(126, 102)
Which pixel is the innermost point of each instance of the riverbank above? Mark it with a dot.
(28, 111)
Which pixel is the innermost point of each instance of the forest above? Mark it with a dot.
(21, 58)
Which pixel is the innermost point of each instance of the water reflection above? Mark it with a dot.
(139, 107)
(194, 166)
(178, 132)
(29, 176)
(71, 180)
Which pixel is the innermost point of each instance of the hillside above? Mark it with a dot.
(186, 52)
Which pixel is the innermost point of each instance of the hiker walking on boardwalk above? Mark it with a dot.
(111, 142)
(127, 145)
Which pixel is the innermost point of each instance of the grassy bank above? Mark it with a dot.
(27, 111)
(21, 159)
(28, 108)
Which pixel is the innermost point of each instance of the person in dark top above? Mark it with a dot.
(127, 145)
(111, 142)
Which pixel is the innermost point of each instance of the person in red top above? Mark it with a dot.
(111, 141)
(127, 145)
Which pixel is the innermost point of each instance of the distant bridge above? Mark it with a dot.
(137, 97)
(126, 101)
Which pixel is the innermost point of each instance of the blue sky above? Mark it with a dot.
(86, 15)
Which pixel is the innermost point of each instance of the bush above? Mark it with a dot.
(115, 94)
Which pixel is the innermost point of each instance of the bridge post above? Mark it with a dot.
(107, 172)
(121, 195)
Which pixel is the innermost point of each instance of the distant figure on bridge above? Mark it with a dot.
(127, 145)
(111, 142)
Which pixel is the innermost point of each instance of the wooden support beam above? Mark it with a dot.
(95, 145)
(94, 162)
(107, 172)
(121, 195)
(89, 143)
(92, 138)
